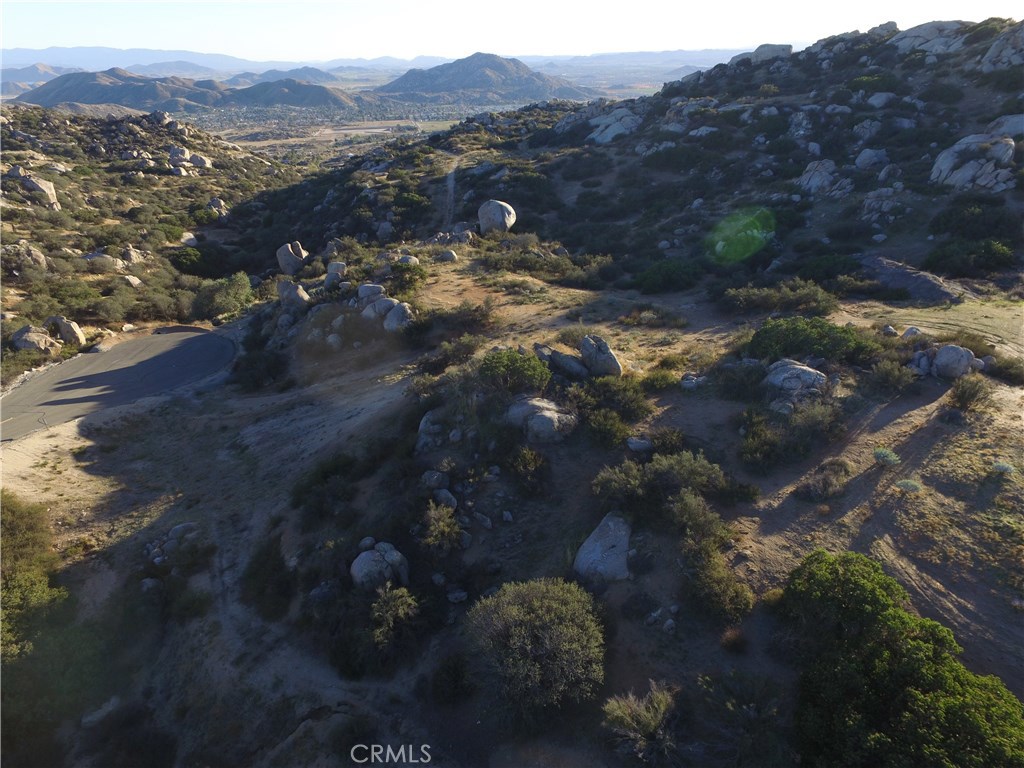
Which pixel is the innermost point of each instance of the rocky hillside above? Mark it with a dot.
(675, 430)
(866, 146)
(483, 78)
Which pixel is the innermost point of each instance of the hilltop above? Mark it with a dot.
(483, 78)
(717, 391)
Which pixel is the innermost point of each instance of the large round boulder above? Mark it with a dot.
(952, 362)
(496, 215)
(599, 358)
(291, 257)
(376, 567)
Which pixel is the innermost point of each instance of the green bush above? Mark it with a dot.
(442, 533)
(643, 725)
(531, 470)
(799, 336)
(795, 295)
(716, 588)
(828, 481)
(970, 258)
(606, 427)
(25, 570)
(886, 457)
(623, 394)
(391, 615)
(768, 443)
(508, 371)
(881, 686)
(645, 489)
(543, 640)
(659, 380)
(890, 377)
(1008, 369)
(670, 275)
(739, 381)
(971, 392)
(452, 682)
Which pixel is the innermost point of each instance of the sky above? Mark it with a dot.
(321, 30)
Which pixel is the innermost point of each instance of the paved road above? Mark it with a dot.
(142, 367)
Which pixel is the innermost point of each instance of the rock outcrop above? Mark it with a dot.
(604, 554)
(599, 358)
(791, 376)
(67, 331)
(542, 420)
(292, 295)
(981, 161)
(43, 187)
(35, 339)
(291, 257)
(763, 53)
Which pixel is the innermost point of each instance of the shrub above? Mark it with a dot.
(881, 686)
(890, 377)
(623, 394)
(28, 561)
(659, 379)
(734, 640)
(669, 275)
(971, 392)
(543, 640)
(1009, 369)
(530, 469)
(442, 533)
(572, 335)
(791, 336)
(508, 371)
(886, 457)
(740, 381)
(452, 682)
(642, 725)
(717, 589)
(909, 486)
(795, 295)
(970, 258)
(607, 427)
(391, 615)
(828, 481)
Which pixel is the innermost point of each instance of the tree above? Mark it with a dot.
(544, 641)
(882, 687)
(509, 371)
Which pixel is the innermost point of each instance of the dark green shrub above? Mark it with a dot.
(28, 562)
(659, 380)
(739, 381)
(442, 533)
(795, 295)
(607, 427)
(452, 681)
(530, 469)
(544, 642)
(976, 217)
(970, 258)
(670, 275)
(508, 371)
(623, 394)
(799, 336)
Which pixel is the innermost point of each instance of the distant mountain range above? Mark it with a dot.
(478, 79)
(175, 94)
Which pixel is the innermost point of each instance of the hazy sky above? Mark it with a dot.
(319, 30)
